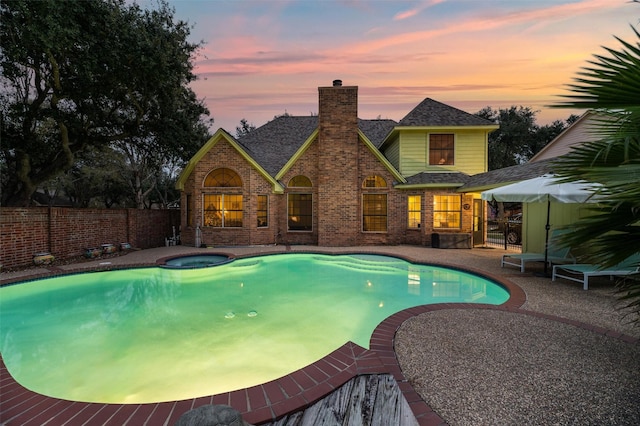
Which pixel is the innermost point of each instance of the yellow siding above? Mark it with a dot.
(393, 153)
(534, 217)
(470, 151)
(413, 152)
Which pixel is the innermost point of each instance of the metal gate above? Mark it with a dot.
(505, 234)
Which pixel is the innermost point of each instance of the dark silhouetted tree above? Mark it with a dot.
(77, 74)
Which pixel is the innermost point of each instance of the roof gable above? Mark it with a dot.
(376, 152)
(433, 113)
(578, 133)
(274, 147)
(364, 138)
(275, 144)
(222, 135)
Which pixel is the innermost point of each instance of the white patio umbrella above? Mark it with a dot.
(543, 189)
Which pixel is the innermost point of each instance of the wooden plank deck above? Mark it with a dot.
(364, 400)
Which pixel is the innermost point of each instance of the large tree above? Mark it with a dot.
(77, 74)
(609, 85)
(519, 137)
(95, 180)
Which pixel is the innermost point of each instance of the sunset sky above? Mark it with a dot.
(263, 58)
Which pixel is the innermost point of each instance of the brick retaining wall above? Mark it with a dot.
(67, 232)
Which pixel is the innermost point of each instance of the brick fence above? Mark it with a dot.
(67, 232)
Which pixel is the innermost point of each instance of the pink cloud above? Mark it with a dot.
(416, 10)
(490, 22)
(493, 58)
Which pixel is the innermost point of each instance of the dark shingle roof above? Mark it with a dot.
(273, 144)
(434, 113)
(425, 178)
(376, 130)
(508, 175)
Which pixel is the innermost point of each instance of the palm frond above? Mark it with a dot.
(610, 82)
(629, 294)
(610, 231)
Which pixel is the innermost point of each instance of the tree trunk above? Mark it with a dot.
(22, 198)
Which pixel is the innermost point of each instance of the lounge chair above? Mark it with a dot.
(582, 271)
(554, 255)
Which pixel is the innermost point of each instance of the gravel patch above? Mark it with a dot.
(486, 367)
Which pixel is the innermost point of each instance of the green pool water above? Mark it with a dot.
(155, 334)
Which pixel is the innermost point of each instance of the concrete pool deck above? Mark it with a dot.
(455, 363)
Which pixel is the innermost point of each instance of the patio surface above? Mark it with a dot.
(553, 354)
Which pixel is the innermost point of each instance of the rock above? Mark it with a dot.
(212, 415)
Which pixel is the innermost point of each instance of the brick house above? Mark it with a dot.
(337, 180)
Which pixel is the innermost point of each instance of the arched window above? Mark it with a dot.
(223, 178)
(300, 181)
(374, 181)
(223, 209)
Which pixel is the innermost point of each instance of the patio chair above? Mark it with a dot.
(554, 255)
(581, 272)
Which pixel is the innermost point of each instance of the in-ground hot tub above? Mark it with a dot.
(195, 261)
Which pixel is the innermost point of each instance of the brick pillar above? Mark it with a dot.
(338, 206)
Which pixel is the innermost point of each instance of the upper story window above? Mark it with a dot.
(223, 177)
(374, 181)
(441, 149)
(300, 181)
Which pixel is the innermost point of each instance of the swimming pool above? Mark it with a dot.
(153, 334)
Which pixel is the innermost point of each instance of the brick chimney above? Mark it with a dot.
(338, 200)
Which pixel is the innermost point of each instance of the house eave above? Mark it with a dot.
(297, 155)
(429, 185)
(397, 129)
(378, 154)
(453, 127)
(486, 187)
